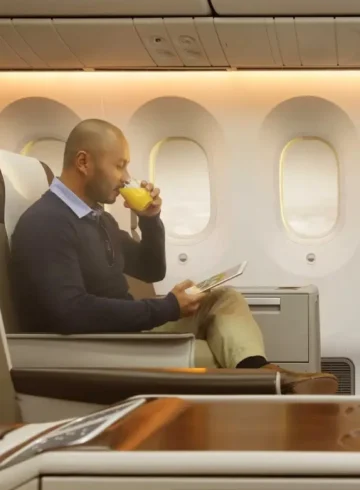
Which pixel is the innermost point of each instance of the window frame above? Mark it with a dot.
(293, 235)
(200, 236)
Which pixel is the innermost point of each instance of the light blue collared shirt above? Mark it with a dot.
(77, 205)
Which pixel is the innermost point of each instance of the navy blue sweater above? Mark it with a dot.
(68, 273)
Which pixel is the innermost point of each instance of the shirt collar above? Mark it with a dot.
(77, 205)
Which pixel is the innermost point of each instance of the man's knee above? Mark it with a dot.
(229, 299)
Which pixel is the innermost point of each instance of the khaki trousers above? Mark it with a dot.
(225, 330)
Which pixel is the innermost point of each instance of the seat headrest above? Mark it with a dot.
(23, 180)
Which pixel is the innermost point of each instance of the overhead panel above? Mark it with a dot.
(348, 40)
(157, 41)
(104, 43)
(13, 39)
(44, 40)
(9, 59)
(316, 41)
(288, 45)
(286, 7)
(210, 41)
(186, 41)
(97, 8)
(249, 42)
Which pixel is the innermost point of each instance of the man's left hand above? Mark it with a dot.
(155, 207)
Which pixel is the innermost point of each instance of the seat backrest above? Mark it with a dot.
(22, 181)
(9, 408)
(20, 186)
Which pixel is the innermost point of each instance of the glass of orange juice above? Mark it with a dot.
(137, 197)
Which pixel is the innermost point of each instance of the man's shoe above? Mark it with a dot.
(306, 383)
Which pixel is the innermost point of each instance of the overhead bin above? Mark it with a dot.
(210, 40)
(316, 41)
(288, 43)
(9, 58)
(15, 43)
(347, 36)
(104, 43)
(249, 42)
(97, 8)
(286, 7)
(179, 43)
(41, 36)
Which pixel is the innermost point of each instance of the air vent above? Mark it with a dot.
(344, 370)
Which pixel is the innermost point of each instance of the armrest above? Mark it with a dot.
(100, 336)
(106, 387)
(101, 351)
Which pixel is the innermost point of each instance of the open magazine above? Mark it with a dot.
(218, 279)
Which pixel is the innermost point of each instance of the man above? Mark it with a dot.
(69, 258)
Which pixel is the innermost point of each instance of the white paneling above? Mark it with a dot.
(210, 40)
(288, 46)
(104, 7)
(348, 40)
(186, 41)
(17, 43)
(104, 43)
(43, 39)
(157, 41)
(9, 58)
(247, 42)
(286, 7)
(316, 41)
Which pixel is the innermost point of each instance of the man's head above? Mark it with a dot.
(95, 161)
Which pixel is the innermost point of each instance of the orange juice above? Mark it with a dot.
(137, 198)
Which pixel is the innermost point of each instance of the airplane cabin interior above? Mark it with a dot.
(245, 114)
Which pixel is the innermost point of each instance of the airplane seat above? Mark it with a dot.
(22, 181)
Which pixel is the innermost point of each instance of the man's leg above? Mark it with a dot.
(225, 322)
(226, 332)
(235, 339)
(203, 354)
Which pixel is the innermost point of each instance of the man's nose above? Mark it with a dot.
(125, 176)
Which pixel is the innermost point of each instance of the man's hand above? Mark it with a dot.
(189, 303)
(155, 207)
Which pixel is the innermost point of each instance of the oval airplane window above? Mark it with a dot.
(179, 167)
(47, 150)
(309, 187)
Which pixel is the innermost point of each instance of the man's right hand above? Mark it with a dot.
(189, 303)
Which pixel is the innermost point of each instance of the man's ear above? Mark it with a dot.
(82, 162)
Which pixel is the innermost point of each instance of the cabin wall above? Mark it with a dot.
(226, 133)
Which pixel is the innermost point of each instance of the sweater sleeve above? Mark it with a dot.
(145, 260)
(55, 281)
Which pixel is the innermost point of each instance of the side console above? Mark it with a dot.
(290, 322)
